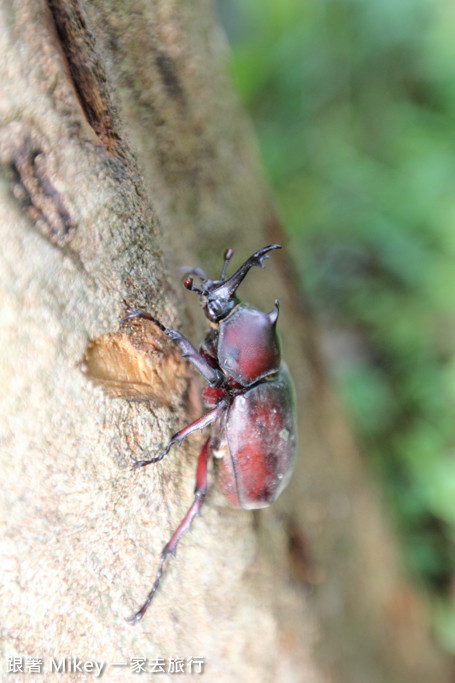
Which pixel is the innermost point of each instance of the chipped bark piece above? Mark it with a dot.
(143, 372)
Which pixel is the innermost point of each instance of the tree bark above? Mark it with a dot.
(123, 154)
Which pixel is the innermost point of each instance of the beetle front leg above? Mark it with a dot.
(200, 423)
(211, 375)
(184, 526)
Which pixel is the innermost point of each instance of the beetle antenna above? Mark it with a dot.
(228, 254)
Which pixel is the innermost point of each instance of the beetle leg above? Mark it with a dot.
(184, 526)
(189, 270)
(211, 375)
(200, 423)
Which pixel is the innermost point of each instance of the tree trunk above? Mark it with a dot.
(85, 223)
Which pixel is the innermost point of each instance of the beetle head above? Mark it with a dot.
(218, 297)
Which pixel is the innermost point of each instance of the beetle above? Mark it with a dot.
(249, 393)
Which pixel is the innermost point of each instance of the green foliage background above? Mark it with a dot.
(354, 106)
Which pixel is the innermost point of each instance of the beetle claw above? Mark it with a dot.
(136, 464)
(130, 313)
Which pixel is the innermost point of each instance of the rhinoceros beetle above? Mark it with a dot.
(249, 393)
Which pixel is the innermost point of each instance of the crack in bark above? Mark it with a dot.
(34, 183)
(170, 76)
(86, 71)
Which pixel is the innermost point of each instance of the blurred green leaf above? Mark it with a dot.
(354, 105)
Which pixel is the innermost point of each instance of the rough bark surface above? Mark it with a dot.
(84, 224)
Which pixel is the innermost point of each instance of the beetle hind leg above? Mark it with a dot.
(184, 526)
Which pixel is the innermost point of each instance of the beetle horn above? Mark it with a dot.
(228, 254)
(226, 290)
(273, 315)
